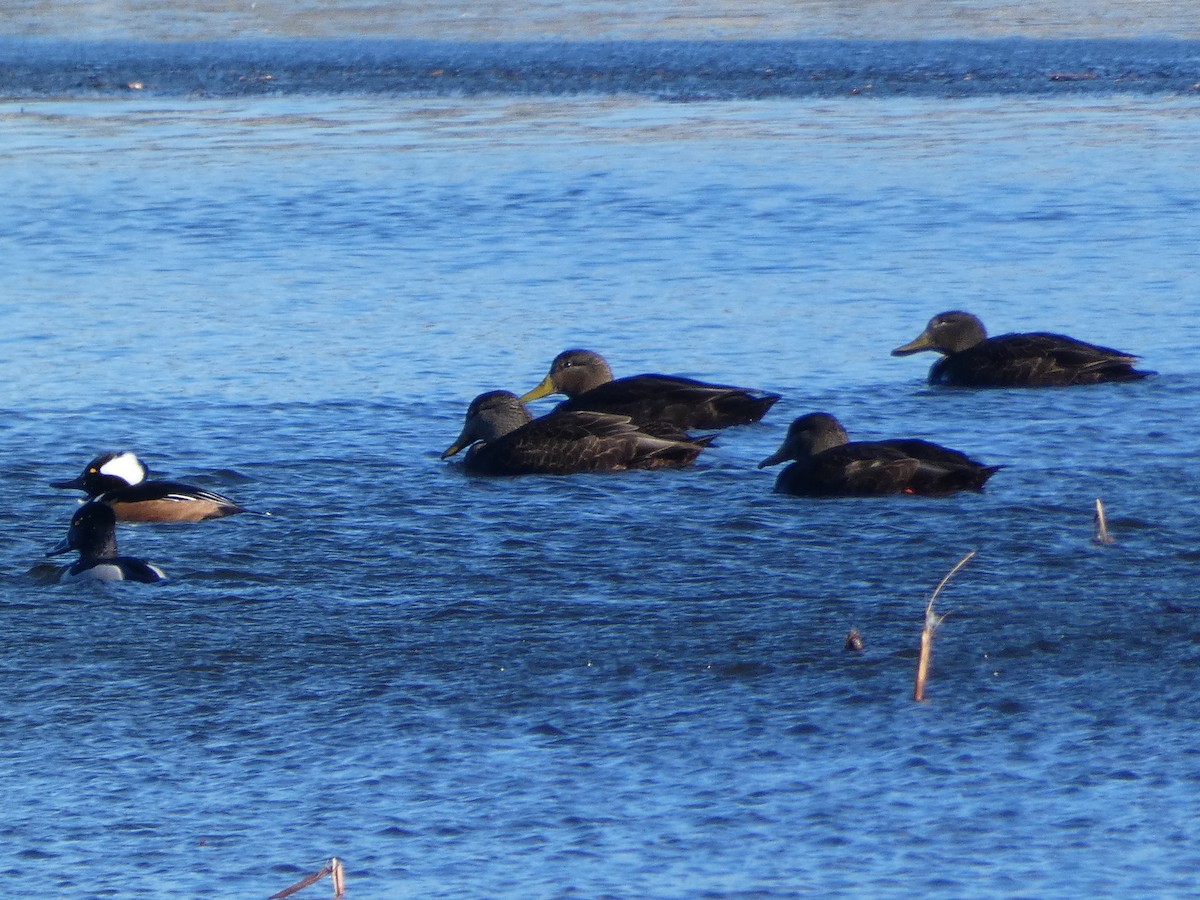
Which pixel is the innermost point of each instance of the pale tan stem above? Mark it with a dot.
(339, 878)
(932, 621)
(334, 868)
(301, 884)
(1101, 536)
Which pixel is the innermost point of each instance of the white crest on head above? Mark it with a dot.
(125, 466)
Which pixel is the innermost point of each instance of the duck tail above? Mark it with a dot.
(656, 453)
(983, 473)
(746, 407)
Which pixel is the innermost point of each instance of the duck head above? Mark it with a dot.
(490, 416)
(93, 532)
(808, 436)
(948, 332)
(105, 473)
(572, 372)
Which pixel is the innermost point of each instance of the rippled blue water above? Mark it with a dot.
(625, 686)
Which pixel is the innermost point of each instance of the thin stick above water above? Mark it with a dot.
(1101, 536)
(334, 868)
(932, 621)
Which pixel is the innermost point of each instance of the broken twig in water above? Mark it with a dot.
(339, 878)
(334, 868)
(932, 621)
(1101, 536)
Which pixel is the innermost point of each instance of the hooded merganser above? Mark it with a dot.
(93, 533)
(119, 480)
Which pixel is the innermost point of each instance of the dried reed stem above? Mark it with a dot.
(339, 878)
(1101, 536)
(932, 621)
(334, 868)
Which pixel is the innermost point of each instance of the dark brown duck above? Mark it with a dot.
(1035, 359)
(662, 404)
(828, 464)
(502, 438)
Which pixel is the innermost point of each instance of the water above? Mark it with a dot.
(625, 686)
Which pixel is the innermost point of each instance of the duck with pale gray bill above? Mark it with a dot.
(828, 464)
(502, 438)
(667, 405)
(119, 480)
(1033, 359)
(93, 534)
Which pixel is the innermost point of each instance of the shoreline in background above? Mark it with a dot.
(476, 20)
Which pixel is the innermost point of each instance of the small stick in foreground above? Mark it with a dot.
(334, 868)
(932, 621)
(339, 878)
(1101, 536)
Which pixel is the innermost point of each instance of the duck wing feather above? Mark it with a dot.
(1035, 359)
(669, 400)
(584, 441)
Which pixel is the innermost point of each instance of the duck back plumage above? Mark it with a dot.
(660, 403)
(1034, 359)
(666, 405)
(502, 439)
(828, 464)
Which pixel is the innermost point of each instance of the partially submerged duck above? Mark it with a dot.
(119, 480)
(502, 438)
(93, 533)
(828, 464)
(663, 404)
(1034, 359)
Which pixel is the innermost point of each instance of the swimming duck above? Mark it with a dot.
(1034, 359)
(504, 439)
(93, 533)
(119, 480)
(828, 464)
(665, 405)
